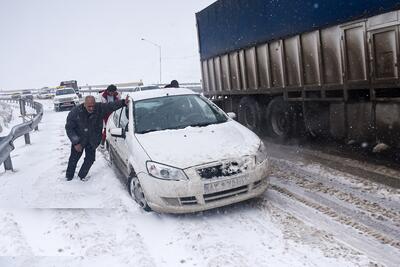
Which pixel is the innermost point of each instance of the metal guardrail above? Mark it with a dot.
(30, 123)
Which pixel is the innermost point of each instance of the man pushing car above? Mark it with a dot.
(84, 128)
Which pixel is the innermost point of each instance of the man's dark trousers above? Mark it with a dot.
(90, 156)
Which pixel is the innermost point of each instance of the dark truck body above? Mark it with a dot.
(289, 67)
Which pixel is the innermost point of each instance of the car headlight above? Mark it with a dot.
(261, 154)
(165, 172)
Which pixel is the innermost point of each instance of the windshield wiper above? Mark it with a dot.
(148, 131)
(202, 124)
(176, 127)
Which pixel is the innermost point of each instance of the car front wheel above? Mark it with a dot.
(136, 191)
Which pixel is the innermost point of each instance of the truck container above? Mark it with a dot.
(290, 68)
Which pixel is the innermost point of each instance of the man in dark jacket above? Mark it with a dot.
(84, 126)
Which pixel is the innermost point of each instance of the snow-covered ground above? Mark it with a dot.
(47, 221)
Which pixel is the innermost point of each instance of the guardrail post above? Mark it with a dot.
(36, 108)
(8, 164)
(23, 114)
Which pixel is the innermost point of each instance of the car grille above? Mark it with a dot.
(220, 170)
(188, 201)
(226, 194)
(67, 99)
(182, 201)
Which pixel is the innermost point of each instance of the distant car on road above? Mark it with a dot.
(27, 94)
(16, 96)
(145, 88)
(181, 153)
(65, 98)
(45, 94)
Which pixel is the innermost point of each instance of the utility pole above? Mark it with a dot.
(159, 49)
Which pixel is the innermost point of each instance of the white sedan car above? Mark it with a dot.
(65, 98)
(181, 153)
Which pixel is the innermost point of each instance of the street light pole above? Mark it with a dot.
(159, 49)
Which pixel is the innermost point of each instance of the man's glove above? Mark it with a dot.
(78, 148)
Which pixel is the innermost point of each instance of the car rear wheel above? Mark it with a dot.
(136, 191)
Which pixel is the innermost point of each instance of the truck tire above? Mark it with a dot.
(279, 119)
(249, 114)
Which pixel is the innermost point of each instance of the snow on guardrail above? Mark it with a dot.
(30, 123)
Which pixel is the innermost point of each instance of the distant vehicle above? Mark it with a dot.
(45, 93)
(145, 88)
(181, 153)
(16, 96)
(27, 94)
(65, 98)
(73, 84)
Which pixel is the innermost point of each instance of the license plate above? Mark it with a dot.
(225, 184)
(67, 104)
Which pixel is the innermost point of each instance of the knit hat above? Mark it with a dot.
(112, 88)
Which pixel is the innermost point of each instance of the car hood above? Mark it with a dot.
(194, 146)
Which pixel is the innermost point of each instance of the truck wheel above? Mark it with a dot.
(249, 114)
(136, 191)
(278, 119)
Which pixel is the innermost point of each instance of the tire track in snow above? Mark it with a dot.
(360, 204)
(332, 181)
(348, 221)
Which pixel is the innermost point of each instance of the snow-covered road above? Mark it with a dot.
(311, 216)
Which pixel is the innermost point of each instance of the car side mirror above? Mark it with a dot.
(117, 132)
(232, 115)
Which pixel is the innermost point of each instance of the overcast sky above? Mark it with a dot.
(43, 42)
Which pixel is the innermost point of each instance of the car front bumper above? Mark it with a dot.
(191, 196)
(66, 104)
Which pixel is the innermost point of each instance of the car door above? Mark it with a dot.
(113, 122)
(121, 143)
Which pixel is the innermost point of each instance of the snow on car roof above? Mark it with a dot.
(140, 95)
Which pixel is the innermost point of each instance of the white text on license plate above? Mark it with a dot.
(225, 184)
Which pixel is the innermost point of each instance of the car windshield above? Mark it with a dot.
(65, 91)
(175, 112)
(26, 92)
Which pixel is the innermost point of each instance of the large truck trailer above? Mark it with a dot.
(324, 68)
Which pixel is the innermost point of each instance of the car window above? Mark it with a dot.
(174, 112)
(124, 119)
